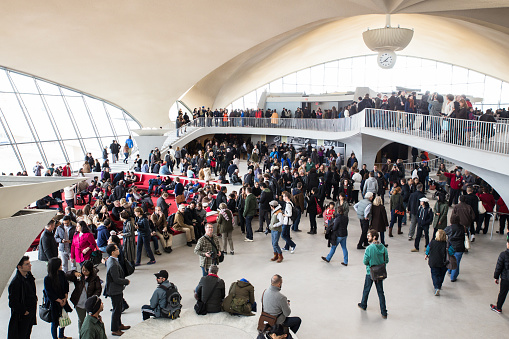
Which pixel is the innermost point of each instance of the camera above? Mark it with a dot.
(212, 254)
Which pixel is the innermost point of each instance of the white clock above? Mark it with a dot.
(386, 59)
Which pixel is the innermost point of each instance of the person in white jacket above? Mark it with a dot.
(357, 178)
(276, 223)
(287, 223)
(69, 195)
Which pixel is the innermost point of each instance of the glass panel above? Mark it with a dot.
(12, 165)
(5, 85)
(3, 136)
(459, 75)
(492, 89)
(474, 76)
(132, 125)
(30, 154)
(47, 88)
(317, 75)
(92, 146)
(290, 79)
(40, 120)
(23, 83)
(101, 119)
(250, 100)
(303, 77)
(331, 77)
(81, 116)
(276, 86)
(54, 153)
(289, 88)
(239, 103)
(59, 111)
(74, 150)
(15, 118)
(445, 72)
(332, 64)
(117, 118)
(68, 92)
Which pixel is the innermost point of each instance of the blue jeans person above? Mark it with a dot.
(341, 241)
(275, 241)
(456, 272)
(379, 289)
(295, 226)
(286, 237)
(405, 205)
(438, 275)
(249, 229)
(394, 217)
(143, 241)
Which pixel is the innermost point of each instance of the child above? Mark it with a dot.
(328, 214)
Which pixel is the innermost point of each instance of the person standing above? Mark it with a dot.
(337, 233)
(275, 303)
(413, 208)
(22, 301)
(287, 223)
(424, 219)
(86, 284)
(129, 236)
(313, 204)
(64, 235)
(276, 223)
(436, 253)
(249, 212)
(379, 220)
(397, 211)
(114, 288)
(93, 326)
(502, 276)
(264, 208)
(208, 249)
(144, 234)
(225, 225)
(363, 209)
(83, 244)
(48, 247)
(456, 234)
(440, 211)
(375, 254)
(56, 288)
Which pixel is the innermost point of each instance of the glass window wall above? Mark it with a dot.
(66, 123)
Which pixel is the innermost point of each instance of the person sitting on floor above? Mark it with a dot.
(159, 307)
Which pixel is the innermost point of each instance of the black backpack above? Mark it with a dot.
(170, 221)
(295, 212)
(173, 305)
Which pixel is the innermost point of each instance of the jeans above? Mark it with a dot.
(293, 323)
(275, 241)
(296, 223)
(395, 217)
(54, 326)
(413, 223)
(204, 271)
(341, 241)
(143, 241)
(379, 289)
(456, 272)
(420, 230)
(438, 275)
(249, 229)
(155, 239)
(405, 205)
(286, 237)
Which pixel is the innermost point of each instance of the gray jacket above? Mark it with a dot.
(115, 279)
(275, 303)
(370, 185)
(60, 236)
(158, 300)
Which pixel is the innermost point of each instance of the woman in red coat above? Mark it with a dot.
(504, 215)
(489, 203)
(83, 243)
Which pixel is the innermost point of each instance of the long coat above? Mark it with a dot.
(379, 220)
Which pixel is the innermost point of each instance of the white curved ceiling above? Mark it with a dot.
(143, 55)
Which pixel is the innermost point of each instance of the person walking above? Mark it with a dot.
(276, 222)
(413, 208)
(144, 233)
(22, 301)
(114, 288)
(337, 233)
(375, 254)
(436, 254)
(424, 219)
(379, 220)
(64, 235)
(456, 234)
(363, 209)
(225, 223)
(287, 223)
(249, 212)
(397, 211)
(502, 276)
(56, 288)
(440, 211)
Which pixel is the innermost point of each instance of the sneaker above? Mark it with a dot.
(325, 259)
(151, 262)
(342, 263)
(157, 252)
(284, 249)
(360, 306)
(361, 247)
(292, 249)
(232, 253)
(410, 238)
(414, 250)
(437, 292)
(495, 309)
(248, 240)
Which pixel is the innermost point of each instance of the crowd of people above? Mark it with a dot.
(281, 184)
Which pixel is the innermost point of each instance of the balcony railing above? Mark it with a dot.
(481, 135)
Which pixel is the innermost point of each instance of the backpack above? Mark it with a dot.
(173, 305)
(238, 304)
(295, 212)
(171, 221)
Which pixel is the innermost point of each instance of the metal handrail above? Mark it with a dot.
(471, 134)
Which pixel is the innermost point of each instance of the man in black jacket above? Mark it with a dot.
(265, 197)
(221, 196)
(413, 208)
(472, 200)
(48, 247)
(22, 301)
(502, 272)
(211, 290)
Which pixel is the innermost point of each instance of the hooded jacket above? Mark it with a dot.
(375, 254)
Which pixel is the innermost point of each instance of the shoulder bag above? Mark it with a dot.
(219, 258)
(481, 208)
(378, 272)
(318, 208)
(450, 261)
(201, 305)
(44, 308)
(266, 319)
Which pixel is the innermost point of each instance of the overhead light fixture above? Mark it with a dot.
(386, 41)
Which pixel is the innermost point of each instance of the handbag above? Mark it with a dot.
(481, 208)
(467, 242)
(378, 272)
(96, 257)
(44, 308)
(128, 268)
(201, 306)
(266, 319)
(220, 258)
(450, 262)
(180, 199)
(318, 208)
(64, 319)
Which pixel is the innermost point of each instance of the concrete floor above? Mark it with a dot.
(325, 295)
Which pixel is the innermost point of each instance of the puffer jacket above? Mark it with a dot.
(456, 234)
